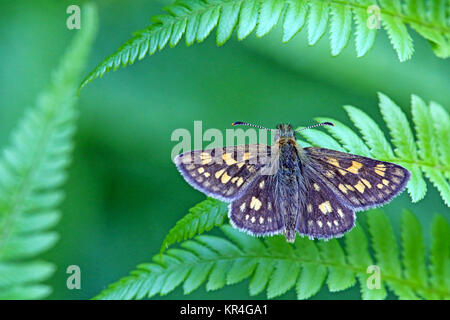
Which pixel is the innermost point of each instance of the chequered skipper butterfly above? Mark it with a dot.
(285, 188)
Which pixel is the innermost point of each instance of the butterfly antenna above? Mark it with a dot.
(317, 125)
(240, 123)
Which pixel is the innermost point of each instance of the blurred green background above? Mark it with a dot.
(124, 193)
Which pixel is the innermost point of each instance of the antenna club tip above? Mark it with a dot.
(329, 123)
(236, 123)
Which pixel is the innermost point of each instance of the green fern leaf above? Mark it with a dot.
(203, 217)
(195, 19)
(277, 266)
(32, 172)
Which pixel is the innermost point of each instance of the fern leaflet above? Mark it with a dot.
(276, 266)
(195, 19)
(32, 171)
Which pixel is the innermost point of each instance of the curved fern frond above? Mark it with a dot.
(276, 266)
(202, 217)
(32, 171)
(427, 153)
(195, 19)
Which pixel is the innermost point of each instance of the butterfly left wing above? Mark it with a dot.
(223, 173)
(257, 212)
(358, 182)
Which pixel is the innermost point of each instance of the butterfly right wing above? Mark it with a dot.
(223, 173)
(323, 215)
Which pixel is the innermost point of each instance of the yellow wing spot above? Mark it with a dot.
(329, 224)
(219, 173)
(395, 180)
(255, 204)
(329, 174)
(261, 184)
(186, 159)
(399, 172)
(349, 187)
(316, 187)
(319, 223)
(379, 186)
(246, 156)
(199, 179)
(310, 223)
(207, 174)
(200, 170)
(261, 220)
(269, 219)
(360, 186)
(379, 172)
(239, 182)
(340, 213)
(247, 216)
(309, 207)
(190, 167)
(242, 207)
(269, 205)
(367, 183)
(253, 219)
(387, 191)
(228, 158)
(354, 168)
(385, 182)
(342, 172)
(333, 162)
(234, 179)
(336, 223)
(381, 167)
(225, 178)
(325, 207)
(205, 157)
(240, 164)
(342, 188)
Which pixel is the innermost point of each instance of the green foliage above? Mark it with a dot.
(32, 171)
(195, 19)
(276, 266)
(203, 217)
(428, 154)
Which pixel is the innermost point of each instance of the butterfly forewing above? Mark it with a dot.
(255, 212)
(358, 182)
(223, 173)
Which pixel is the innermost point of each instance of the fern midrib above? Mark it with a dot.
(22, 191)
(357, 270)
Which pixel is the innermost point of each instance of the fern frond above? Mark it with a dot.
(428, 154)
(202, 217)
(276, 266)
(195, 19)
(32, 171)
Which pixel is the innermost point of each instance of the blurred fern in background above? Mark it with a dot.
(32, 171)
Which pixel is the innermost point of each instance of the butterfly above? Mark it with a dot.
(284, 188)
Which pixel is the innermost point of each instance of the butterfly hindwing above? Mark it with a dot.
(223, 173)
(323, 215)
(358, 182)
(255, 212)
